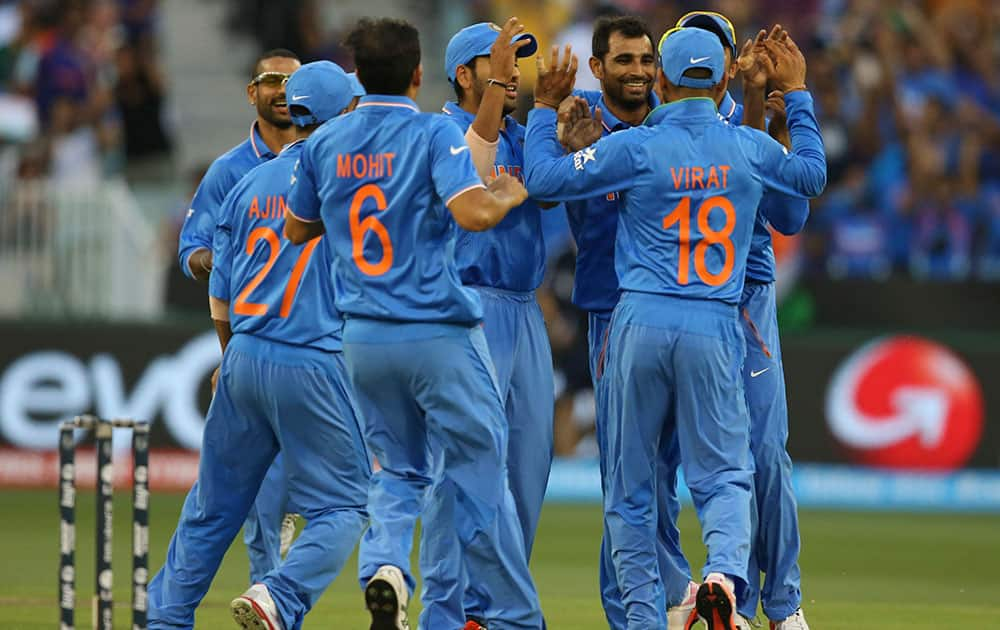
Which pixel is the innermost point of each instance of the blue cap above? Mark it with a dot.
(712, 22)
(356, 88)
(476, 41)
(317, 92)
(682, 49)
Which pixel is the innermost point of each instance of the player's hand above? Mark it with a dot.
(508, 189)
(582, 128)
(200, 263)
(503, 53)
(789, 64)
(215, 378)
(555, 79)
(755, 62)
(778, 126)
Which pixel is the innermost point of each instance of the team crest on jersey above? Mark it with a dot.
(580, 158)
(513, 171)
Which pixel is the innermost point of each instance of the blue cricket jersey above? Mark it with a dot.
(787, 214)
(511, 255)
(594, 222)
(276, 290)
(229, 168)
(692, 185)
(380, 179)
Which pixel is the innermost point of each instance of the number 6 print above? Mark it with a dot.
(369, 224)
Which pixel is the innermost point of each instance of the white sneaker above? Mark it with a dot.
(288, 524)
(386, 598)
(255, 610)
(678, 615)
(742, 623)
(715, 604)
(796, 622)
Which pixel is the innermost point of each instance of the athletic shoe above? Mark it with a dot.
(386, 597)
(678, 615)
(255, 610)
(796, 622)
(714, 604)
(473, 624)
(742, 623)
(288, 524)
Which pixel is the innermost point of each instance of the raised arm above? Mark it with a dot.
(803, 171)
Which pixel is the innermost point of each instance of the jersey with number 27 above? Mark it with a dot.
(691, 188)
(380, 179)
(276, 290)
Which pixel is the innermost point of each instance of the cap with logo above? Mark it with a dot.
(714, 23)
(476, 41)
(683, 49)
(317, 92)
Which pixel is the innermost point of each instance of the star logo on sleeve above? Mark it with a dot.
(580, 158)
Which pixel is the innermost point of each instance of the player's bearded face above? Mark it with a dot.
(270, 95)
(627, 71)
(481, 72)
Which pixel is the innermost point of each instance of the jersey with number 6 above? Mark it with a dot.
(276, 290)
(380, 179)
(690, 188)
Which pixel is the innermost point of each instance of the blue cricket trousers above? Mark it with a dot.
(270, 397)
(673, 369)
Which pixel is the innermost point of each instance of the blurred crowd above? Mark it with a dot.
(81, 92)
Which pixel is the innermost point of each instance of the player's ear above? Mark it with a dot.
(418, 76)
(252, 94)
(463, 76)
(597, 68)
(661, 84)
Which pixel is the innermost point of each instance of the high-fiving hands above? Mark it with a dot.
(555, 79)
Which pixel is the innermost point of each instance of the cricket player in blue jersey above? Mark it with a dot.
(282, 386)
(776, 540)
(506, 265)
(265, 526)
(624, 61)
(388, 184)
(692, 185)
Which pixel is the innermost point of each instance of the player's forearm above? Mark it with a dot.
(550, 174)
(807, 144)
(753, 106)
(299, 231)
(197, 263)
(482, 152)
(219, 310)
(486, 124)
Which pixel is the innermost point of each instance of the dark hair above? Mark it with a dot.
(629, 26)
(698, 73)
(271, 54)
(471, 65)
(386, 53)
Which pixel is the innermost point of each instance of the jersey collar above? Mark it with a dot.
(612, 123)
(257, 143)
(387, 100)
(454, 109)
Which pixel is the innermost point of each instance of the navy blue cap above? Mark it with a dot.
(713, 22)
(682, 49)
(317, 92)
(476, 41)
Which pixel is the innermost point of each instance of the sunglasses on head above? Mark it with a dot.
(728, 25)
(270, 79)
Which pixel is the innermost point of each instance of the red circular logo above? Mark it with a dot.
(906, 402)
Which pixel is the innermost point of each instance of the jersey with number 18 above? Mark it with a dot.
(380, 179)
(691, 188)
(276, 290)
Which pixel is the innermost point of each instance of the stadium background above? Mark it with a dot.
(110, 110)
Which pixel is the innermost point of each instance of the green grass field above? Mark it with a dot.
(860, 571)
